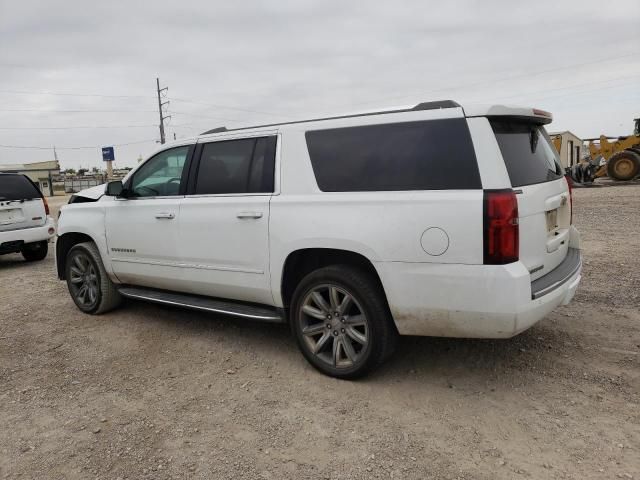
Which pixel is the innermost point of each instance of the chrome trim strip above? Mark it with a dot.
(229, 195)
(273, 318)
(187, 265)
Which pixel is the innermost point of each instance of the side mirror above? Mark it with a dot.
(114, 189)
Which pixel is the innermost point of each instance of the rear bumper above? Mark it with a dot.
(28, 235)
(559, 276)
(471, 301)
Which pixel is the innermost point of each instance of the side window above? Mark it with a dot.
(236, 166)
(262, 168)
(423, 155)
(161, 175)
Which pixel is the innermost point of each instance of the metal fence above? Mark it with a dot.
(75, 184)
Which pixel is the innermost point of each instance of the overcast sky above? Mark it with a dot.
(233, 63)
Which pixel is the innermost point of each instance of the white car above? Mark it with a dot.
(25, 224)
(428, 220)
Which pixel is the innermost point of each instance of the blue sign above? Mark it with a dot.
(108, 154)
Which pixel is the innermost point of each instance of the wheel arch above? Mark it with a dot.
(66, 242)
(301, 262)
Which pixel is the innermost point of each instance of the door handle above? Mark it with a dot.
(167, 215)
(249, 215)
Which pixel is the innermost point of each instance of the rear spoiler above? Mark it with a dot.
(533, 115)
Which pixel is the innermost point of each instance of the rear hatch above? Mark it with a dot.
(544, 206)
(21, 203)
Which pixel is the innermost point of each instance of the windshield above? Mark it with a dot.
(527, 151)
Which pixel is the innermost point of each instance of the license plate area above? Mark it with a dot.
(552, 220)
(10, 215)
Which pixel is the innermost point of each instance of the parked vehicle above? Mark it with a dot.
(430, 220)
(25, 224)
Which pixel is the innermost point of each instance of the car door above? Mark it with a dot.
(142, 229)
(224, 219)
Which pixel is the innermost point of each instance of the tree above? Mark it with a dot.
(82, 171)
(69, 171)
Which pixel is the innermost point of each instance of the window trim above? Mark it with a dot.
(197, 158)
(183, 178)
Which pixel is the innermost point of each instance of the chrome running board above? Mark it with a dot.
(207, 304)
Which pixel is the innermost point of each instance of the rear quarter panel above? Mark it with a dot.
(382, 226)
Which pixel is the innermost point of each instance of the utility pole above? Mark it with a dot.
(55, 157)
(160, 105)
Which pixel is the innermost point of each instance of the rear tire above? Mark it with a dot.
(341, 321)
(33, 252)
(89, 285)
(623, 165)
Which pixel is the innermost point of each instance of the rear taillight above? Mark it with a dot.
(570, 186)
(46, 205)
(501, 231)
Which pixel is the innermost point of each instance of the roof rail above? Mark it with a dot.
(421, 106)
(436, 105)
(216, 130)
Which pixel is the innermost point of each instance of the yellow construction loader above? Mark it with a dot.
(621, 157)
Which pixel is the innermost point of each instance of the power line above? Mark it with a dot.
(98, 95)
(42, 110)
(61, 94)
(173, 112)
(226, 107)
(492, 81)
(73, 148)
(224, 119)
(574, 86)
(77, 127)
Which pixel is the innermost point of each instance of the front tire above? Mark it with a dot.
(33, 252)
(624, 165)
(89, 285)
(341, 321)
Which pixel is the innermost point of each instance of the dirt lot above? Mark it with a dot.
(151, 392)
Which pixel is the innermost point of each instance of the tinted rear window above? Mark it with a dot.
(527, 152)
(428, 155)
(17, 187)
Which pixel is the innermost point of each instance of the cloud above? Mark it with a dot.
(300, 59)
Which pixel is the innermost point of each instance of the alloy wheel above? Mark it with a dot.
(334, 326)
(83, 280)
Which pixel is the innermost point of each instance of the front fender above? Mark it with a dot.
(85, 219)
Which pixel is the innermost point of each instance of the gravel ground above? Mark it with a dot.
(153, 392)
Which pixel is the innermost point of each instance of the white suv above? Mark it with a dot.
(25, 224)
(429, 220)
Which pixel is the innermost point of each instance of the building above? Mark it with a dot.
(569, 147)
(40, 172)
